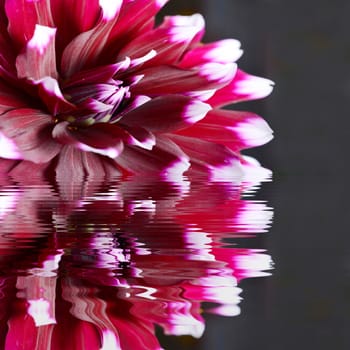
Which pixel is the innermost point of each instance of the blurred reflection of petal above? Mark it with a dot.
(108, 261)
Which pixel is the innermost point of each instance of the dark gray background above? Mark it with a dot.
(304, 47)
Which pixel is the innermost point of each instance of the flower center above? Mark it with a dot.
(94, 102)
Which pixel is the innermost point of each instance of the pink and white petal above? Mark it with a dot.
(170, 80)
(135, 18)
(196, 20)
(23, 16)
(206, 154)
(219, 73)
(135, 62)
(84, 50)
(169, 41)
(110, 8)
(109, 151)
(30, 131)
(164, 159)
(139, 136)
(76, 169)
(135, 102)
(235, 129)
(223, 51)
(243, 87)
(70, 165)
(104, 139)
(254, 172)
(39, 57)
(167, 113)
(51, 94)
(98, 74)
(8, 148)
(253, 132)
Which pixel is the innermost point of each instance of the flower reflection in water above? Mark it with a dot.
(100, 268)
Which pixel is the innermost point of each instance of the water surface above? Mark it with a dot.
(119, 264)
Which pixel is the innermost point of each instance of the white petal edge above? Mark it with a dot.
(255, 87)
(41, 38)
(254, 132)
(110, 8)
(8, 148)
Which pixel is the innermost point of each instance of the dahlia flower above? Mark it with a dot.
(96, 87)
(102, 271)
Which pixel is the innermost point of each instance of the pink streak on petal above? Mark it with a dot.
(8, 148)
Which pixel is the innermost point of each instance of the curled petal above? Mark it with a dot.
(129, 27)
(169, 40)
(84, 50)
(196, 21)
(223, 51)
(162, 80)
(29, 130)
(165, 158)
(168, 113)
(140, 137)
(97, 75)
(243, 87)
(39, 59)
(99, 138)
(235, 129)
(24, 15)
(51, 94)
(204, 154)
